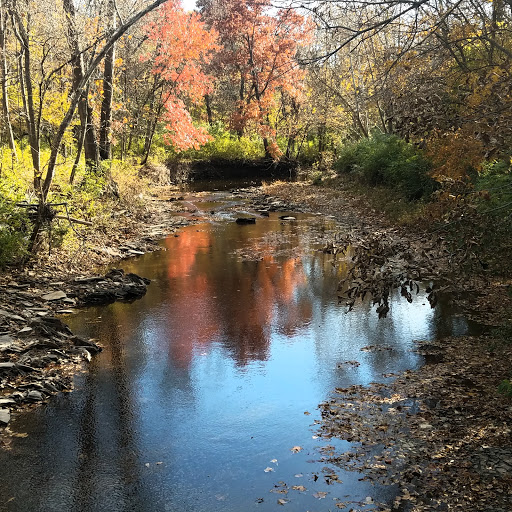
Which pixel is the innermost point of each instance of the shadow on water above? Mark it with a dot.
(211, 379)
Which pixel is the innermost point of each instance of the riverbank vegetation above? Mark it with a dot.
(405, 102)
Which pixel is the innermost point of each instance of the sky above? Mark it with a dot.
(188, 5)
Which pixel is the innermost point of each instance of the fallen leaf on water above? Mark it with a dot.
(296, 449)
(307, 413)
(320, 495)
(299, 488)
(281, 501)
(268, 470)
(274, 461)
(259, 500)
(299, 475)
(147, 464)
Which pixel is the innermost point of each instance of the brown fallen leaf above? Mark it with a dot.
(299, 488)
(296, 449)
(320, 495)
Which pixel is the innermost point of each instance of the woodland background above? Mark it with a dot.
(408, 101)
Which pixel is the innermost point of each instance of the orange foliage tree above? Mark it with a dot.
(180, 47)
(259, 50)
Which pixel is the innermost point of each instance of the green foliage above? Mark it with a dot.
(505, 387)
(495, 168)
(389, 161)
(13, 226)
(227, 146)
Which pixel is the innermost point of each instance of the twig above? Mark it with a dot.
(74, 219)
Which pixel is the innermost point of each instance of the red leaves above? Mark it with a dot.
(181, 46)
(259, 57)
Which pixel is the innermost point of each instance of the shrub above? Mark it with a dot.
(13, 228)
(227, 146)
(388, 160)
(505, 388)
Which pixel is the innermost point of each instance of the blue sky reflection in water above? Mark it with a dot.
(205, 382)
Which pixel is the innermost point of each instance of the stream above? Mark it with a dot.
(205, 396)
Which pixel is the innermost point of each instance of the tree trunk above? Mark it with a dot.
(322, 129)
(80, 145)
(209, 113)
(22, 35)
(108, 91)
(3, 77)
(84, 109)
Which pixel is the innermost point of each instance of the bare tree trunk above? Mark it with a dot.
(150, 133)
(28, 94)
(3, 77)
(108, 91)
(209, 113)
(80, 145)
(84, 109)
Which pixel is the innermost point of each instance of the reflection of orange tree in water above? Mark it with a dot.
(195, 323)
(232, 301)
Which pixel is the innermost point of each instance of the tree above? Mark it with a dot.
(259, 55)
(43, 185)
(180, 47)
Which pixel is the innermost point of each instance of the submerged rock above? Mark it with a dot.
(246, 220)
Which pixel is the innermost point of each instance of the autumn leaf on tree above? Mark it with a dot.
(181, 46)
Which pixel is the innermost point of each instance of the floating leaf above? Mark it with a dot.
(268, 470)
(296, 449)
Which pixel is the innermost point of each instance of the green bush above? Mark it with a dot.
(13, 228)
(505, 388)
(227, 146)
(389, 161)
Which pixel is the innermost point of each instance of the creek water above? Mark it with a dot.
(212, 378)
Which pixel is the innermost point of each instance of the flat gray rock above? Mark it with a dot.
(6, 340)
(54, 296)
(6, 314)
(36, 396)
(5, 416)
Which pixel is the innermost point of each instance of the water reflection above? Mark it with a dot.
(206, 380)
